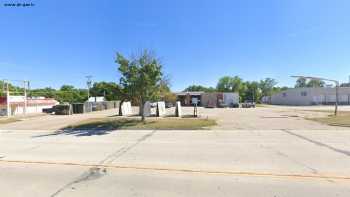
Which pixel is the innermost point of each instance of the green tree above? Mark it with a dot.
(44, 92)
(266, 86)
(141, 76)
(277, 89)
(230, 84)
(14, 90)
(237, 83)
(252, 91)
(110, 90)
(164, 90)
(194, 88)
(70, 94)
(300, 83)
(314, 83)
(2, 90)
(225, 84)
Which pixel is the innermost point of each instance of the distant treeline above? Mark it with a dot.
(68, 93)
(248, 90)
(255, 90)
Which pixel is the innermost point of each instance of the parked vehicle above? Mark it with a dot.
(222, 105)
(63, 109)
(48, 110)
(234, 105)
(248, 104)
(168, 105)
(210, 105)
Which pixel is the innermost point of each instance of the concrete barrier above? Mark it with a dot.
(178, 110)
(161, 109)
(126, 108)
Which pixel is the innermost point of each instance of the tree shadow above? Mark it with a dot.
(183, 116)
(94, 128)
(117, 115)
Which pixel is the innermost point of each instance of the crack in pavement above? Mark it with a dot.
(92, 174)
(281, 154)
(120, 152)
(313, 170)
(344, 152)
(95, 172)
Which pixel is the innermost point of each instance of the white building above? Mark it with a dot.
(96, 99)
(309, 96)
(17, 105)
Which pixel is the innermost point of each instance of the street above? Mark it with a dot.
(176, 163)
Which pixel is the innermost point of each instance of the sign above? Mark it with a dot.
(195, 101)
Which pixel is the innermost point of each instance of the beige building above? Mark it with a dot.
(213, 99)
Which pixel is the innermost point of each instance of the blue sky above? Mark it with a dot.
(198, 41)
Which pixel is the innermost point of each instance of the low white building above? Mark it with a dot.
(310, 96)
(17, 105)
(96, 99)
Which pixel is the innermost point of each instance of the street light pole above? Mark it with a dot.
(8, 107)
(336, 97)
(331, 80)
(25, 97)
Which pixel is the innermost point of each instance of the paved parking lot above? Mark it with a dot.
(267, 151)
(54, 122)
(271, 117)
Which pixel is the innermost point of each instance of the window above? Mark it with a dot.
(303, 93)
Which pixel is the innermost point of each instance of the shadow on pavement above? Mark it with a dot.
(93, 128)
(345, 152)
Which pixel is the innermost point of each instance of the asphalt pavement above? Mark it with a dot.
(175, 163)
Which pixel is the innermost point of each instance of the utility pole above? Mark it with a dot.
(88, 83)
(25, 97)
(3, 86)
(8, 107)
(336, 96)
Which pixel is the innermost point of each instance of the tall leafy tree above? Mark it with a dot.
(252, 91)
(225, 84)
(194, 88)
(230, 84)
(164, 90)
(140, 77)
(70, 94)
(110, 90)
(300, 83)
(266, 86)
(314, 83)
(45, 92)
(237, 84)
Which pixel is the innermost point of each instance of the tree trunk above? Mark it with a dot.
(120, 107)
(143, 118)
